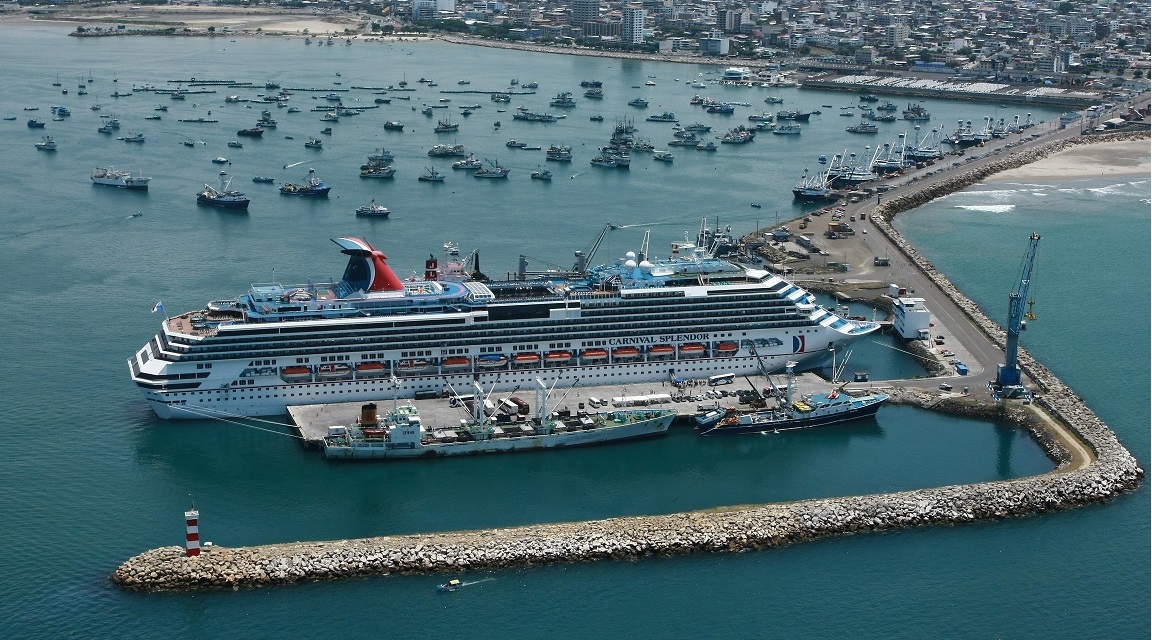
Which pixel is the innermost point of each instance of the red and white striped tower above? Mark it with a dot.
(192, 531)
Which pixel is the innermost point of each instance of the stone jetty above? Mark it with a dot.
(1106, 471)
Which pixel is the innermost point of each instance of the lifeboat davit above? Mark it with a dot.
(456, 362)
(727, 347)
(625, 353)
(594, 354)
(337, 370)
(296, 373)
(370, 368)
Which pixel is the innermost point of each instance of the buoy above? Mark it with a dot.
(192, 531)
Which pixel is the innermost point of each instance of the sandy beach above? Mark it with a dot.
(1130, 157)
(238, 21)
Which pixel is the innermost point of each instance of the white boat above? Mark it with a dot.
(373, 210)
(542, 174)
(663, 156)
(362, 316)
(113, 177)
(46, 144)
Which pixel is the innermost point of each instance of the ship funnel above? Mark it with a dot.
(368, 416)
(431, 268)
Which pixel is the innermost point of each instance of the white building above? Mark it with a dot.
(633, 27)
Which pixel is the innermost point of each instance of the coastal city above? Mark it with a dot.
(440, 302)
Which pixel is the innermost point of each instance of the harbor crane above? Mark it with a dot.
(1008, 374)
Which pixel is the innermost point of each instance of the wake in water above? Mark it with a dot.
(990, 208)
(29, 232)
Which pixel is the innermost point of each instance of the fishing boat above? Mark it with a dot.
(492, 170)
(46, 144)
(373, 210)
(371, 303)
(638, 102)
(542, 174)
(811, 410)
(393, 125)
(787, 130)
(378, 171)
(431, 175)
(312, 187)
(447, 151)
(33, 123)
(224, 197)
(220, 160)
(251, 132)
(663, 156)
(402, 433)
(863, 127)
(314, 143)
(263, 179)
(113, 177)
(667, 116)
(235, 144)
(471, 163)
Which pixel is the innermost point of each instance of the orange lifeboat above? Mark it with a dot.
(727, 347)
(692, 349)
(456, 362)
(370, 368)
(594, 354)
(558, 357)
(625, 353)
(526, 358)
(296, 373)
(661, 350)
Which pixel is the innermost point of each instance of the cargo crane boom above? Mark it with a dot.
(1009, 372)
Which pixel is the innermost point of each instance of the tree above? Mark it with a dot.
(1064, 8)
(804, 50)
(1138, 73)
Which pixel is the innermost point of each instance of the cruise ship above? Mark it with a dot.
(371, 335)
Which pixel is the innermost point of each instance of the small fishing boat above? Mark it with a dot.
(432, 176)
(451, 585)
(264, 179)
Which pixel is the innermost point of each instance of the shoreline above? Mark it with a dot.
(1106, 158)
(1092, 466)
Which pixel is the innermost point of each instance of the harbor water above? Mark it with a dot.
(91, 477)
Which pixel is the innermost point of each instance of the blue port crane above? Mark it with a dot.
(1009, 373)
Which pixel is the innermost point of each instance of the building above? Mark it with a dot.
(583, 11)
(715, 46)
(633, 27)
(895, 35)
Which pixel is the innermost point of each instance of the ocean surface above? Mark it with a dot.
(90, 477)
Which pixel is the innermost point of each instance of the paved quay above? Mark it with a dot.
(1092, 467)
(312, 420)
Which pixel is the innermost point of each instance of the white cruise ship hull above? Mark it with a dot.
(269, 395)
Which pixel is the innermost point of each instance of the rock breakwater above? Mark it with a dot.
(1109, 471)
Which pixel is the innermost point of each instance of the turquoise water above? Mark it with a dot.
(91, 477)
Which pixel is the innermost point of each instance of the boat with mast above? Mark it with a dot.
(224, 197)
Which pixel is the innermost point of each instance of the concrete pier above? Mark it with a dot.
(1093, 467)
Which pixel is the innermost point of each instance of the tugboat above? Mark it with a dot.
(224, 197)
(312, 187)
